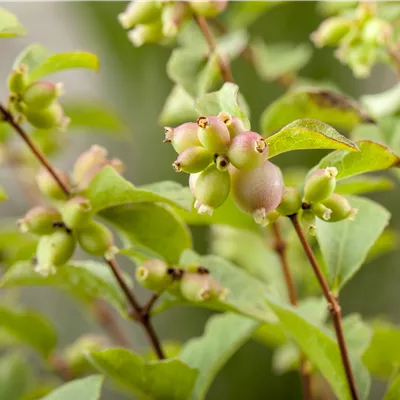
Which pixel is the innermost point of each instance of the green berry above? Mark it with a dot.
(321, 211)
(211, 189)
(76, 212)
(207, 8)
(183, 136)
(18, 79)
(193, 159)
(196, 287)
(307, 218)
(234, 124)
(248, 150)
(39, 95)
(39, 220)
(46, 118)
(49, 186)
(140, 12)
(340, 208)
(213, 134)
(331, 31)
(376, 31)
(154, 275)
(173, 16)
(320, 185)
(291, 201)
(149, 33)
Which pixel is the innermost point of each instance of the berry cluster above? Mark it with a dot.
(158, 21)
(70, 219)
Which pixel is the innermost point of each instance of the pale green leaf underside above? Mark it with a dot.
(223, 336)
(162, 380)
(9, 25)
(358, 333)
(304, 134)
(372, 157)
(364, 184)
(383, 104)
(345, 244)
(86, 389)
(15, 377)
(323, 352)
(29, 328)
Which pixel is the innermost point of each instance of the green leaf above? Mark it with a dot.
(273, 61)
(9, 25)
(154, 226)
(162, 380)
(95, 116)
(345, 244)
(393, 392)
(383, 104)
(30, 328)
(305, 134)
(87, 280)
(15, 377)
(33, 56)
(86, 388)
(364, 184)
(322, 351)
(225, 99)
(3, 194)
(358, 334)
(124, 193)
(323, 105)
(372, 157)
(179, 107)
(223, 336)
(386, 243)
(382, 357)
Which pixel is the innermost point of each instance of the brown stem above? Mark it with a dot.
(208, 36)
(147, 307)
(334, 307)
(136, 307)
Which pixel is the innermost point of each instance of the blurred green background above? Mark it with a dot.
(134, 82)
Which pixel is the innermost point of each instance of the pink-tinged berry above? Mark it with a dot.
(248, 150)
(193, 159)
(140, 12)
(340, 208)
(234, 124)
(18, 79)
(291, 201)
(321, 211)
(208, 8)
(211, 189)
(320, 185)
(49, 186)
(213, 134)
(154, 275)
(94, 156)
(76, 212)
(257, 191)
(40, 95)
(39, 220)
(183, 136)
(196, 287)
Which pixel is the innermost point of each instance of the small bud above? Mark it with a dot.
(76, 212)
(141, 34)
(54, 250)
(248, 150)
(211, 189)
(39, 220)
(377, 31)
(18, 79)
(196, 287)
(222, 163)
(331, 31)
(183, 136)
(193, 159)
(208, 9)
(234, 124)
(340, 208)
(97, 240)
(213, 134)
(139, 12)
(153, 275)
(258, 191)
(94, 156)
(39, 95)
(291, 201)
(46, 118)
(49, 186)
(320, 185)
(173, 16)
(321, 211)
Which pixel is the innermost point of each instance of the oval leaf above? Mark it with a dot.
(372, 157)
(9, 25)
(305, 134)
(345, 244)
(15, 377)
(164, 380)
(364, 184)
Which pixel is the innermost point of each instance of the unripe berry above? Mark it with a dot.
(76, 212)
(222, 163)
(196, 287)
(331, 31)
(46, 118)
(340, 208)
(321, 211)
(211, 189)
(213, 134)
(234, 124)
(54, 250)
(39, 220)
(257, 191)
(139, 12)
(320, 185)
(18, 79)
(308, 222)
(183, 136)
(154, 275)
(291, 201)
(94, 156)
(173, 16)
(97, 240)
(376, 31)
(49, 186)
(192, 183)
(266, 219)
(39, 95)
(208, 8)
(248, 150)
(149, 33)
(193, 159)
